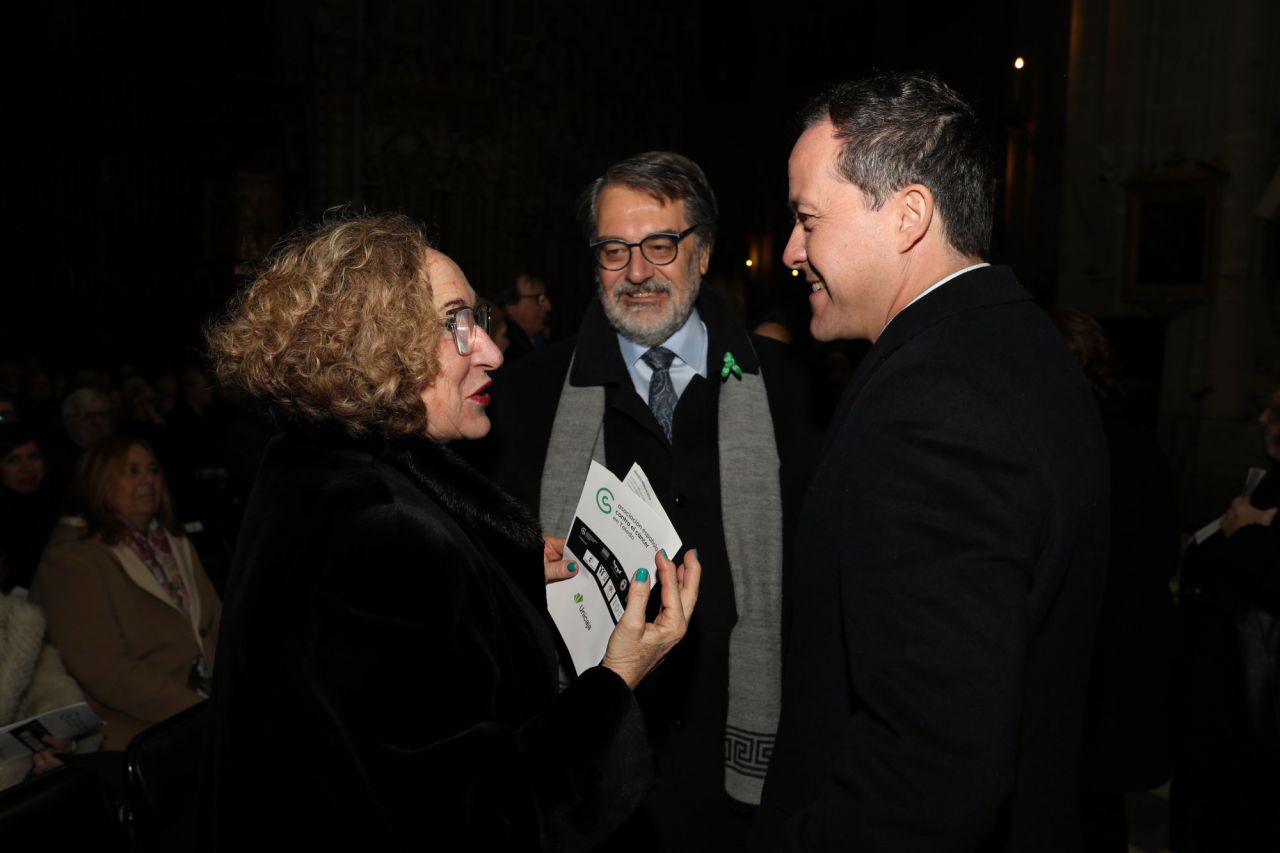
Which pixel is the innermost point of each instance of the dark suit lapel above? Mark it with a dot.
(980, 288)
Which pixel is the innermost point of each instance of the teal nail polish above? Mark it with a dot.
(572, 567)
(664, 553)
(642, 576)
(695, 552)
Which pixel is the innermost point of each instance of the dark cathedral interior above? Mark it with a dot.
(162, 149)
(158, 151)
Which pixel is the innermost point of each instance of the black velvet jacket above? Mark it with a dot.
(389, 672)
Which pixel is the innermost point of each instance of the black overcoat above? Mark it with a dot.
(685, 700)
(389, 675)
(952, 551)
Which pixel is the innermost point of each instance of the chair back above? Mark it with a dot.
(67, 809)
(162, 781)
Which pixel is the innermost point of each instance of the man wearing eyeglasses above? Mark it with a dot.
(86, 418)
(528, 307)
(86, 414)
(720, 421)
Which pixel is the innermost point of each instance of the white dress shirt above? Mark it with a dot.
(689, 344)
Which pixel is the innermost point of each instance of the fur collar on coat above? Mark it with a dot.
(473, 499)
(496, 522)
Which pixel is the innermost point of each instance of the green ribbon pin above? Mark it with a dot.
(730, 366)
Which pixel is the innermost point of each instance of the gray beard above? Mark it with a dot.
(625, 321)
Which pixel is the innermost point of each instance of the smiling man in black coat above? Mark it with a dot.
(953, 541)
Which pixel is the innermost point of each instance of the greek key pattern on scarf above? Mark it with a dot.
(747, 752)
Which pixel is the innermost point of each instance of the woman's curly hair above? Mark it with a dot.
(339, 328)
(1092, 350)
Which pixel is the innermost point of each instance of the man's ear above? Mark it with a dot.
(704, 258)
(914, 214)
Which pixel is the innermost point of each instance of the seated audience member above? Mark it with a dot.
(1227, 772)
(38, 404)
(33, 681)
(140, 417)
(10, 376)
(128, 604)
(29, 504)
(386, 612)
(140, 403)
(86, 414)
(166, 388)
(86, 418)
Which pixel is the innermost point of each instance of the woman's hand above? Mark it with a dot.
(46, 759)
(554, 566)
(636, 646)
(1242, 513)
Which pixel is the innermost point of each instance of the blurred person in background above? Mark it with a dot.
(86, 415)
(140, 417)
(166, 388)
(128, 604)
(140, 404)
(33, 681)
(195, 422)
(528, 308)
(497, 322)
(86, 419)
(1129, 715)
(40, 403)
(1227, 771)
(29, 504)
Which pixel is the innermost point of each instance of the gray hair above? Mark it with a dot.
(78, 400)
(665, 175)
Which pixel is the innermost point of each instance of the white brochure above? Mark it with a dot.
(617, 528)
(1251, 481)
(20, 739)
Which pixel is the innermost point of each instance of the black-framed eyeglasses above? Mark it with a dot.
(540, 298)
(463, 322)
(658, 249)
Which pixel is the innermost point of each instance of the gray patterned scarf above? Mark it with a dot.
(751, 512)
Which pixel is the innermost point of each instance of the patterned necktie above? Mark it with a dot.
(662, 394)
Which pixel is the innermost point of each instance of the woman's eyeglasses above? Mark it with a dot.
(463, 322)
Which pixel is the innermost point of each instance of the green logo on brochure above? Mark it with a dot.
(604, 500)
(577, 598)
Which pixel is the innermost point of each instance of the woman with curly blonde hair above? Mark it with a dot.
(386, 618)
